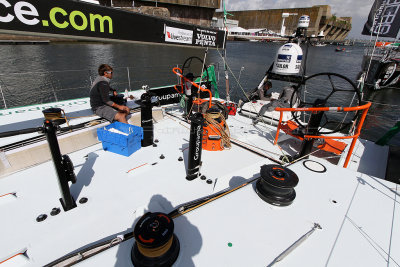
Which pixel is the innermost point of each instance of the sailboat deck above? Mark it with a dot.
(358, 213)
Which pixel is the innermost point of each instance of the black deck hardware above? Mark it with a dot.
(41, 218)
(276, 185)
(313, 125)
(156, 244)
(83, 200)
(147, 119)
(314, 166)
(63, 170)
(195, 146)
(55, 211)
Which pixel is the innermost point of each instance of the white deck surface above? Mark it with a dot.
(358, 213)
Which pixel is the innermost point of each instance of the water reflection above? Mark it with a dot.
(32, 74)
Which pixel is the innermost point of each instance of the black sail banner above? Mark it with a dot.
(383, 19)
(84, 21)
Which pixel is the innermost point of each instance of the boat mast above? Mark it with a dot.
(224, 54)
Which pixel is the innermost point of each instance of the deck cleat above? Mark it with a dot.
(156, 244)
(276, 185)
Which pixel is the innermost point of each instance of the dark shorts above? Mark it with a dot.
(106, 112)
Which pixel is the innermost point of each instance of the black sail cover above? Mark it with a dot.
(85, 21)
(384, 18)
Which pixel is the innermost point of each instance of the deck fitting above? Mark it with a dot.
(83, 200)
(55, 211)
(41, 218)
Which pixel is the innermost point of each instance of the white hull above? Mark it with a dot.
(236, 230)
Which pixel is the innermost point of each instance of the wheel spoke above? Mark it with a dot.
(339, 84)
(330, 80)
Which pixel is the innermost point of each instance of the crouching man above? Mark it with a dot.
(283, 101)
(100, 98)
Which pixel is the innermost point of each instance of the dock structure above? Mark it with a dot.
(321, 19)
(188, 11)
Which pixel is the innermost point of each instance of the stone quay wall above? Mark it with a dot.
(321, 19)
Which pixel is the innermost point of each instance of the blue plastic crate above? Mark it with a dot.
(118, 143)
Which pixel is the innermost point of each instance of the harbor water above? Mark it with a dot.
(31, 74)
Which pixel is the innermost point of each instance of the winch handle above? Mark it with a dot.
(22, 131)
(178, 72)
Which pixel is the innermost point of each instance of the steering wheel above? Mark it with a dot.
(193, 64)
(327, 89)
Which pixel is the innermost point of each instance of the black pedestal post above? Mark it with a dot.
(67, 200)
(312, 126)
(195, 146)
(147, 120)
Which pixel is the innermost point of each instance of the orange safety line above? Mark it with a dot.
(136, 167)
(11, 257)
(7, 194)
(176, 89)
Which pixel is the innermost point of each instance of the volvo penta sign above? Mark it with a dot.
(84, 21)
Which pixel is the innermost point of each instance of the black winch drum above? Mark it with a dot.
(276, 185)
(156, 244)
